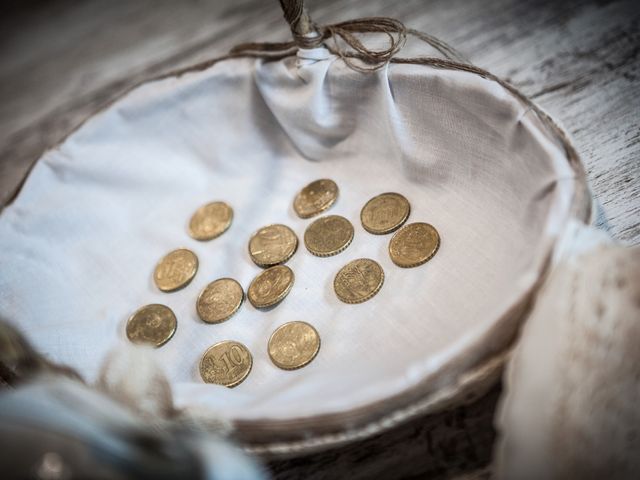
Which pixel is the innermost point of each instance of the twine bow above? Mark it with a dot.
(345, 41)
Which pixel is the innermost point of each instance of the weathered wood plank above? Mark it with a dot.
(457, 443)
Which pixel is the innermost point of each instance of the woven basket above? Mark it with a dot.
(477, 159)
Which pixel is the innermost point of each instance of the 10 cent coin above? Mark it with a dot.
(272, 245)
(175, 270)
(358, 280)
(414, 244)
(293, 345)
(210, 221)
(219, 300)
(385, 213)
(271, 286)
(328, 235)
(315, 198)
(226, 363)
(152, 324)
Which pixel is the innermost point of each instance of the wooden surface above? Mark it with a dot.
(456, 444)
(60, 60)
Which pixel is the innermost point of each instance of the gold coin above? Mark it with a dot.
(414, 244)
(315, 198)
(271, 286)
(293, 345)
(210, 221)
(385, 213)
(328, 235)
(175, 270)
(358, 280)
(219, 300)
(272, 245)
(152, 324)
(226, 363)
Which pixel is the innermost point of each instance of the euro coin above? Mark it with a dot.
(414, 244)
(293, 345)
(175, 270)
(385, 213)
(210, 221)
(328, 235)
(219, 300)
(226, 363)
(358, 280)
(272, 245)
(271, 286)
(152, 324)
(315, 198)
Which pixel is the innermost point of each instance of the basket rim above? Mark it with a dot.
(415, 401)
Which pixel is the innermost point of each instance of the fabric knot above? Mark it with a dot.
(345, 41)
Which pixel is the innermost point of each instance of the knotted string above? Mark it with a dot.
(345, 40)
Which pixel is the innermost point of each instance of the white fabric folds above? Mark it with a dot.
(79, 244)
